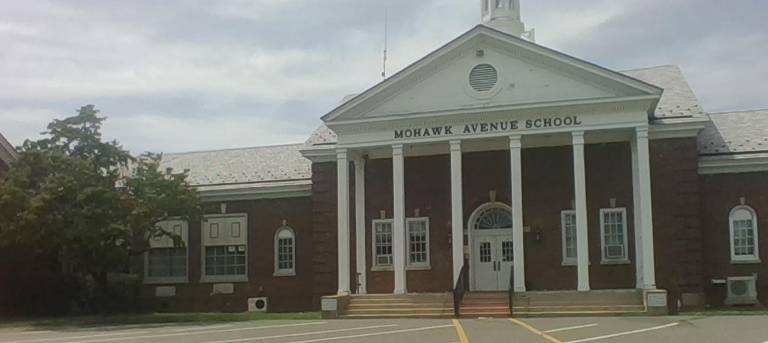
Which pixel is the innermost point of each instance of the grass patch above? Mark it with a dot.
(156, 318)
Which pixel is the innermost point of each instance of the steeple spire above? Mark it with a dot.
(504, 15)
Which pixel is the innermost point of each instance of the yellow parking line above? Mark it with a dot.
(535, 331)
(460, 331)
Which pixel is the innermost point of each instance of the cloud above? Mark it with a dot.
(189, 75)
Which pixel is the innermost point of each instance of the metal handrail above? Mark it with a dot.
(511, 293)
(462, 285)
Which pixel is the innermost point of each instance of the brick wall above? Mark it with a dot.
(720, 193)
(286, 294)
(676, 215)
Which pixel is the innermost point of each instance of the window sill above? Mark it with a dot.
(382, 269)
(165, 280)
(284, 274)
(750, 261)
(615, 262)
(429, 267)
(569, 264)
(223, 278)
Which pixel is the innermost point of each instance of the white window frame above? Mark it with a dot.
(426, 265)
(568, 261)
(165, 243)
(605, 259)
(285, 272)
(741, 259)
(375, 266)
(223, 240)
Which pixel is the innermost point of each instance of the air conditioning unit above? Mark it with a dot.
(742, 290)
(258, 304)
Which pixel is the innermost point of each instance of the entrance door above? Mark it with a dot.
(492, 262)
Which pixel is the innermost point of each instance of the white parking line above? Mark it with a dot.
(192, 328)
(625, 333)
(28, 332)
(375, 334)
(571, 328)
(196, 332)
(50, 339)
(303, 334)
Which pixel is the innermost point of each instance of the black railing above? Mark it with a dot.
(462, 285)
(511, 293)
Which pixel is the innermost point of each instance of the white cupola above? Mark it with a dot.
(503, 15)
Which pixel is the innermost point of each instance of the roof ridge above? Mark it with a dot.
(232, 149)
(651, 67)
(738, 111)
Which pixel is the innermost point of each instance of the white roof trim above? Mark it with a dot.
(521, 43)
(732, 164)
(273, 190)
(515, 107)
(7, 151)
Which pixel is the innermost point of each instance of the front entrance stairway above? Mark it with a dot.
(432, 305)
(496, 304)
(575, 304)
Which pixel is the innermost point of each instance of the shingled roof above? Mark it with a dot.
(731, 133)
(257, 165)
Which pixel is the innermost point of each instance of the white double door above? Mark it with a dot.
(492, 259)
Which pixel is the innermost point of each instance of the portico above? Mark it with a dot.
(507, 95)
(469, 250)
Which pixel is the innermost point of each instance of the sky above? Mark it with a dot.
(184, 75)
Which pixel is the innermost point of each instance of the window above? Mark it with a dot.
(499, 3)
(418, 242)
(744, 246)
(285, 252)
(165, 262)
(613, 231)
(494, 218)
(382, 244)
(225, 248)
(568, 223)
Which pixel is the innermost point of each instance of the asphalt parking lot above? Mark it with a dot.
(752, 329)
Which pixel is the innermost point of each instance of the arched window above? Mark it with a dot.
(493, 218)
(744, 243)
(285, 252)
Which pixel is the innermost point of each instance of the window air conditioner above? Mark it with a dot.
(258, 304)
(742, 290)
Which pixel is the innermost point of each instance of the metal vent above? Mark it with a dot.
(483, 77)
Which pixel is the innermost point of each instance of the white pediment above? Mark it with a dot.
(522, 74)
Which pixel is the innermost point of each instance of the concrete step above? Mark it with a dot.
(435, 315)
(398, 305)
(400, 309)
(576, 308)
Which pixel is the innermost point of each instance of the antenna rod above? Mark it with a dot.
(386, 39)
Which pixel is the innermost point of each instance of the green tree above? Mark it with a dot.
(72, 195)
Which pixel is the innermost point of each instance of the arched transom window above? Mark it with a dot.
(744, 243)
(285, 252)
(494, 218)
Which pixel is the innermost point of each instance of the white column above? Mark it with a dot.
(457, 211)
(580, 195)
(518, 239)
(342, 170)
(360, 227)
(637, 217)
(646, 211)
(398, 227)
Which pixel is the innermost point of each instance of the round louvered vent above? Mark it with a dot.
(483, 77)
(739, 288)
